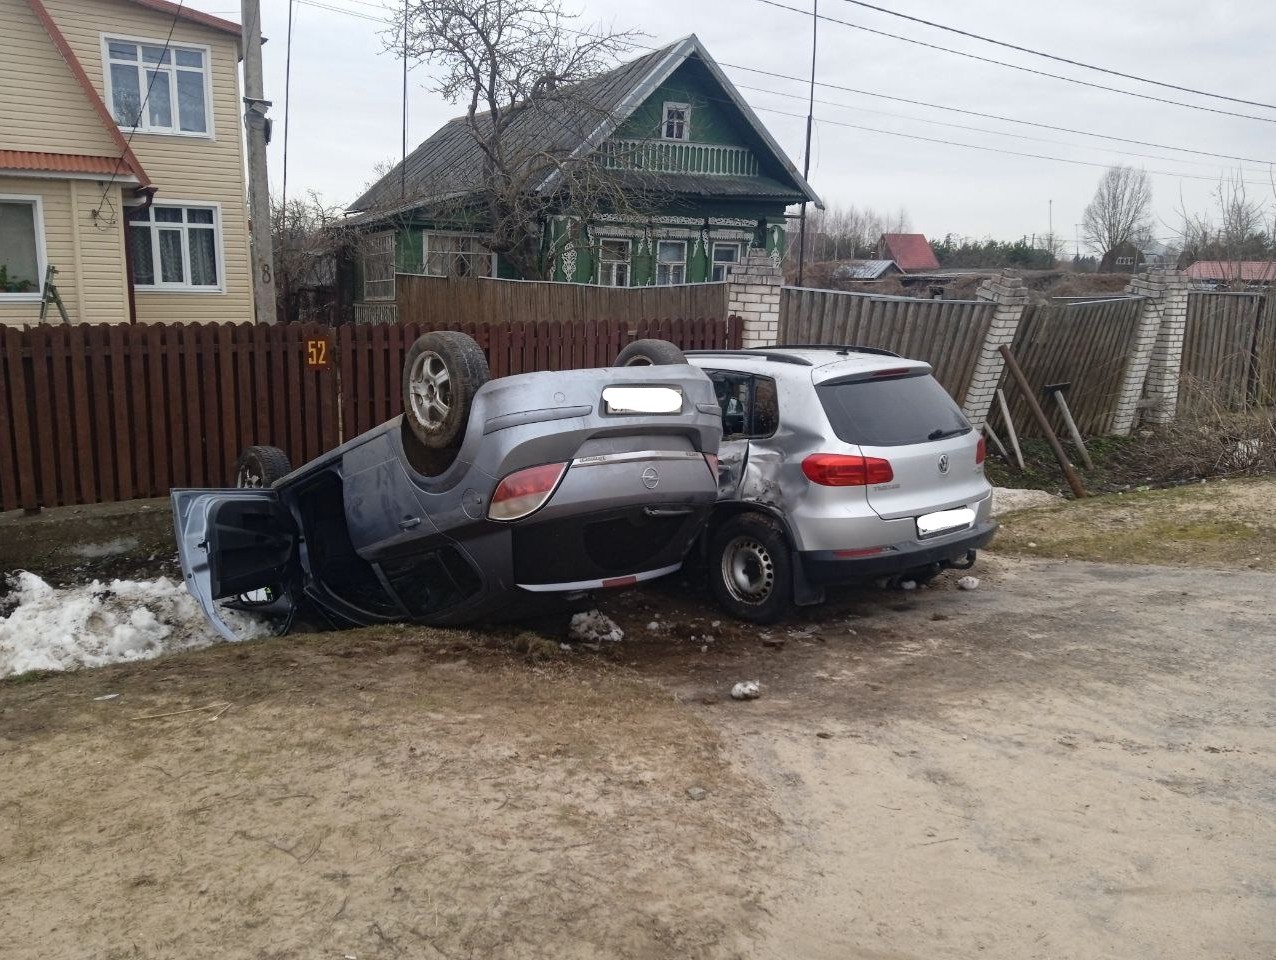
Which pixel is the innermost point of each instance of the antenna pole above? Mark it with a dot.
(806, 154)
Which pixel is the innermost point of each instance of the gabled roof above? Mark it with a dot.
(450, 163)
(1248, 271)
(910, 251)
(182, 12)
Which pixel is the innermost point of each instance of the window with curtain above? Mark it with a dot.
(21, 269)
(175, 248)
(671, 263)
(613, 270)
(158, 90)
(723, 254)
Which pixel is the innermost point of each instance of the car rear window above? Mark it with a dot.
(892, 411)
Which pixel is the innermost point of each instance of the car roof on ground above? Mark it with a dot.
(820, 363)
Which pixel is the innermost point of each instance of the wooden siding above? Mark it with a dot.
(676, 156)
(947, 334)
(110, 412)
(1086, 344)
(423, 299)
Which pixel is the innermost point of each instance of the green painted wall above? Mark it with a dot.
(712, 121)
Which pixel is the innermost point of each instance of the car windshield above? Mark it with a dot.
(891, 411)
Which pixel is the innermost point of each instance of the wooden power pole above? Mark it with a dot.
(257, 128)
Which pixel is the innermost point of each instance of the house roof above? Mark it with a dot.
(64, 163)
(450, 162)
(1244, 270)
(182, 12)
(863, 269)
(910, 251)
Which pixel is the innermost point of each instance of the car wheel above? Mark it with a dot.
(260, 467)
(441, 373)
(650, 353)
(751, 568)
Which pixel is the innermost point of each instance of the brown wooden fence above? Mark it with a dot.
(456, 301)
(110, 412)
(1229, 350)
(947, 334)
(1086, 344)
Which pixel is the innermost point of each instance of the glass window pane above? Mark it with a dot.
(199, 215)
(726, 253)
(140, 215)
(671, 251)
(155, 55)
(120, 50)
(126, 97)
(19, 265)
(168, 214)
(143, 257)
(615, 250)
(621, 276)
(170, 243)
(203, 258)
(189, 58)
(891, 412)
(159, 103)
(190, 102)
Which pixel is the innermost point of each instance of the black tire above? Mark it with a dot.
(441, 373)
(751, 568)
(650, 353)
(260, 466)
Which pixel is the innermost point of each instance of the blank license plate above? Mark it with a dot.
(946, 521)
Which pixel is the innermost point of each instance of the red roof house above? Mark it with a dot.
(1227, 271)
(910, 251)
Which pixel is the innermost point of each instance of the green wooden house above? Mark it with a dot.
(701, 179)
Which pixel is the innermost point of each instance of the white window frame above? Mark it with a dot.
(714, 263)
(607, 267)
(670, 264)
(144, 119)
(387, 243)
(41, 261)
(425, 250)
(218, 240)
(686, 120)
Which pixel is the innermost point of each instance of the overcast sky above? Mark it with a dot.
(346, 98)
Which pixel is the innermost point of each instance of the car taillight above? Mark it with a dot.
(839, 470)
(981, 451)
(712, 460)
(525, 492)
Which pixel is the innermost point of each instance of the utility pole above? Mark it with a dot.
(806, 154)
(258, 135)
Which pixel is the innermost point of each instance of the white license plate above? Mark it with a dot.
(946, 521)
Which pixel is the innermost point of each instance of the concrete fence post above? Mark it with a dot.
(1156, 354)
(1010, 295)
(753, 295)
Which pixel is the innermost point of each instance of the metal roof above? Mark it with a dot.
(910, 251)
(863, 269)
(571, 125)
(1249, 271)
(64, 163)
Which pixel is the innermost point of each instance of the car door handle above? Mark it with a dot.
(667, 511)
(409, 523)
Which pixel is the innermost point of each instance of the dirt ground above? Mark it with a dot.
(1073, 760)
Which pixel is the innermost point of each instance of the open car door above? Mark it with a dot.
(236, 545)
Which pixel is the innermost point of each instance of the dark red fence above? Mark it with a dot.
(109, 412)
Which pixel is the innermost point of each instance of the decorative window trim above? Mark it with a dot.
(218, 248)
(670, 264)
(41, 260)
(665, 121)
(143, 126)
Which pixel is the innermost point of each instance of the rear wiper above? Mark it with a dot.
(942, 434)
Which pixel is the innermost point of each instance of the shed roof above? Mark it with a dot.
(911, 251)
(65, 163)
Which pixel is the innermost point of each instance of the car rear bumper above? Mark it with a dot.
(841, 566)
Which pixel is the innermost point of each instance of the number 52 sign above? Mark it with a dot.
(317, 352)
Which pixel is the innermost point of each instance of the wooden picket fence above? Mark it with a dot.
(91, 414)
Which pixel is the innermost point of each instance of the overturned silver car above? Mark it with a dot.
(484, 496)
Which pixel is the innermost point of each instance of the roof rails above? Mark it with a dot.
(842, 348)
(753, 353)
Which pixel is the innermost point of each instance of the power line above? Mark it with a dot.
(283, 202)
(1058, 59)
(1015, 66)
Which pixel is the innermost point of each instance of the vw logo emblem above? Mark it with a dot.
(943, 465)
(650, 477)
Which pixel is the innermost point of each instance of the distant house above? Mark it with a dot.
(1257, 273)
(910, 251)
(668, 129)
(1123, 258)
(121, 163)
(865, 269)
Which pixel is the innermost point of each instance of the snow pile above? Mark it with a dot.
(594, 627)
(44, 628)
(1008, 499)
(746, 690)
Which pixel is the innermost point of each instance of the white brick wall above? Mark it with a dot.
(1011, 296)
(753, 295)
(1157, 352)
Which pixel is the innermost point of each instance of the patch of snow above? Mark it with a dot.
(594, 627)
(1007, 499)
(968, 583)
(46, 628)
(746, 690)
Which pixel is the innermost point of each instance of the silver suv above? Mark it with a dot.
(837, 464)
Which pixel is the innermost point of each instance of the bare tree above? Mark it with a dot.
(1121, 211)
(309, 238)
(520, 68)
(1237, 227)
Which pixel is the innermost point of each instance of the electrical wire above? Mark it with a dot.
(283, 193)
(1015, 66)
(1059, 59)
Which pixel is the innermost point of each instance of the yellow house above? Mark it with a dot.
(121, 163)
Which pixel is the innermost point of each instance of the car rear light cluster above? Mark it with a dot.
(526, 491)
(712, 460)
(840, 470)
(981, 451)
